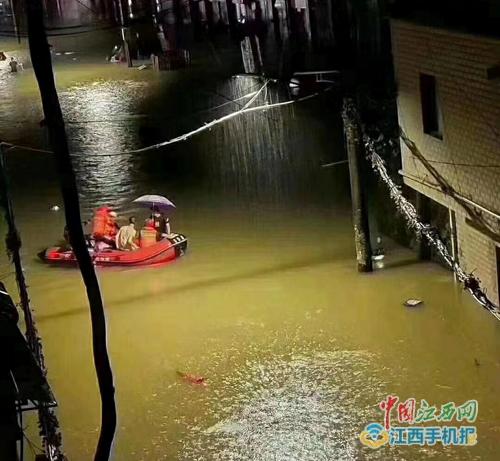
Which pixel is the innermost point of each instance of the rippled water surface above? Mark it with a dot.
(297, 349)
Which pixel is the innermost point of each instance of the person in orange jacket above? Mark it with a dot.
(112, 226)
(148, 234)
(105, 227)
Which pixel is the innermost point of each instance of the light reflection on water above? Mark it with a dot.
(102, 126)
(305, 406)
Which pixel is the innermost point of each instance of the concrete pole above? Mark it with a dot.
(232, 18)
(124, 33)
(209, 12)
(253, 23)
(276, 23)
(194, 11)
(356, 159)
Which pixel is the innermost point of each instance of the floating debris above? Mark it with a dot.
(444, 386)
(378, 252)
(192, 379)
(413, 302)
(55, 208)
(228, 427)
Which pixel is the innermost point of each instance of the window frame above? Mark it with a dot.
(430, 106)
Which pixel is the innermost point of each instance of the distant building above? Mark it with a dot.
(6, 16)
(449, 105)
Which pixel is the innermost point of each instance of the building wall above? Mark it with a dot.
(470, 105)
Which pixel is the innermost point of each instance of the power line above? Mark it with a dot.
(471, 165)
(409, 212)
(144, 116)
(68, 34)
(447, 189)
(74, 26)
(87, 7)
(329, 165)
(185, 136)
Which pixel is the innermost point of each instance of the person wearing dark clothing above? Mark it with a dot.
(13, 64)
(161, 223)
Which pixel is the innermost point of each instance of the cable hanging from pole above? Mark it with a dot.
(470, 283)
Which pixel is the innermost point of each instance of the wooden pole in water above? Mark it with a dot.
(40, 58)
(355, 151)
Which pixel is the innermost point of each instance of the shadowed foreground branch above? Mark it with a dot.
(41, 60)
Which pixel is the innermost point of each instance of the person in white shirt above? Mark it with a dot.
(126, 237)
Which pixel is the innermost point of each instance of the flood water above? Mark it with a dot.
(297, 348)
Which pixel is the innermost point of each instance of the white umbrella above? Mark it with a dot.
(162, 203)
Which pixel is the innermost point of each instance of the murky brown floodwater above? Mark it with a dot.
(297, 348)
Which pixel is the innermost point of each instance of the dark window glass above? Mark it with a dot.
(431, 109)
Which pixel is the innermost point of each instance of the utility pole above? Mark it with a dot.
(232, 18)
(42, 65)
(124, 33)
(355, 149)
(194, 11)
(276, 23)
(15, 24)
(250, 44)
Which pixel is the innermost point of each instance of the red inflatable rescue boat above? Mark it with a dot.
(167, 249)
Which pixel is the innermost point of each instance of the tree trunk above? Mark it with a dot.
(41, 60)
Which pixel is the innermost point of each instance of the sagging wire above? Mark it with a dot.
(61, 34)
(209, 125)
(339, 162)
(466, 165)
(143, 116)
(447, 189)
(470, 283)
(184, 137)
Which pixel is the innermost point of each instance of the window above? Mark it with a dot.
(431, 109)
